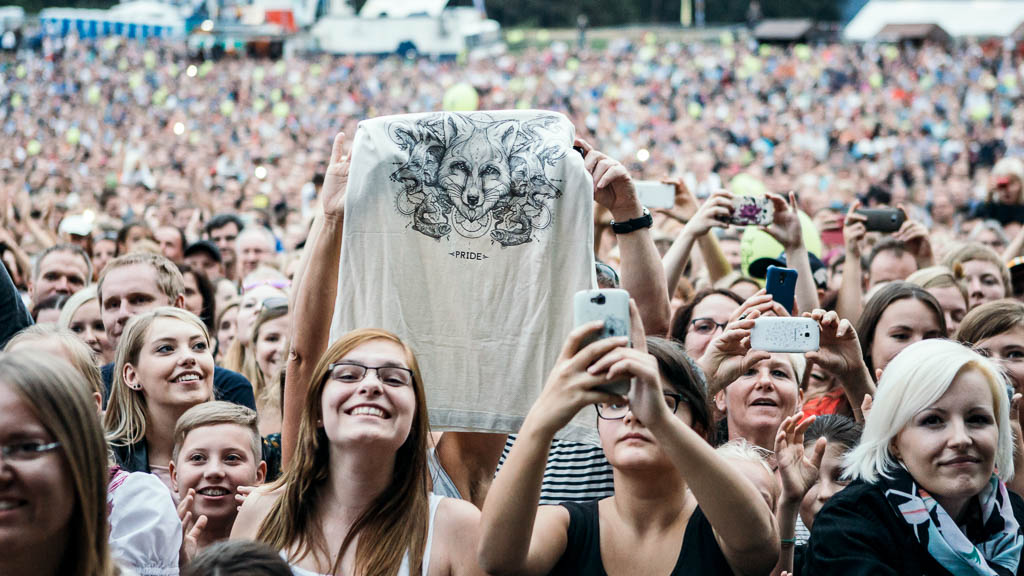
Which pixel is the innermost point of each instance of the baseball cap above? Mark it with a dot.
(759, 268)
(204, 246)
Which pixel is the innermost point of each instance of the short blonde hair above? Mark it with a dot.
(976, 251)
(81, 356)
(126, 410)
(168, 277)
(214, 413)
(914, 380)
(938, 277)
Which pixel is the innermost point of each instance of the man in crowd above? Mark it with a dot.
(171, 241)
(223, 230)
(205, 256)
(60, 269)
(254, 247)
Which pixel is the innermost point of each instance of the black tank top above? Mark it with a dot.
(700, 554)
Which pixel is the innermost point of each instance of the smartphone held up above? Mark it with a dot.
(785, 334)
(610, 306)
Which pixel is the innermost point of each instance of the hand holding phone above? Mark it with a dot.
(751, 211)
(781, 284)
(612, 307)
(654, 194)
(886, 220)
(775, 334)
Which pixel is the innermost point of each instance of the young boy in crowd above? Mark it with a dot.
(217, 449)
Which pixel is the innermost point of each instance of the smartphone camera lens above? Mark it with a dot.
(599, 299)
(807, 334)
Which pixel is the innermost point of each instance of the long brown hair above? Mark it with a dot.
(57, 396)
(397, 520)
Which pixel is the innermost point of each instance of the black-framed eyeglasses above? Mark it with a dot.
(706, 325)
(25, 451)
(618, 411)
(352, 372)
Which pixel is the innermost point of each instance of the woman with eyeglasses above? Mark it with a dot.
(354, 497)
(706, 316)
(672, 490)
(53, 472)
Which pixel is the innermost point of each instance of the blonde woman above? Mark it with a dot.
(264, 367)
(81, 315)
(54, 474)
(928, 493)
(985, 274)
(227, 317)
(56, 342)
(948, 288)
(164, 366)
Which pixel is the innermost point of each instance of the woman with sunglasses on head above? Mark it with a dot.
(269, 337)
(354, 497)
(262, 285)
(672, 490)
(53, 472)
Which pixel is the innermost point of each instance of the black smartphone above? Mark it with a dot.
(882, 219)
(781, 284)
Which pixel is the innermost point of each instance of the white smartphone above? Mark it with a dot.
(654, 194)
(612, 307)
(783, 334)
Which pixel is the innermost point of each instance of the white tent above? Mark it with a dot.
(974, 18)
(402, 8)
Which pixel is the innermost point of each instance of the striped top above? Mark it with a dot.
(575, 472)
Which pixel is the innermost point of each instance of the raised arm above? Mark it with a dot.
(515, 536)
(851, 291)
(642, 273)
(788, 231)
(313, 296)
(916, 238)
(797, 474)
(839, 354)
(714, 213)
(743, 523)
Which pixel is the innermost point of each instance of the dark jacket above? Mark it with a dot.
(14, 315)
(227, 385)
(858, 534)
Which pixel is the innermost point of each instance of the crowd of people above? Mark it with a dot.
(171, 400)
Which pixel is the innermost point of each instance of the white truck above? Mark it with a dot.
(406, 27)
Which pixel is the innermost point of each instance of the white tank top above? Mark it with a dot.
(403, 570)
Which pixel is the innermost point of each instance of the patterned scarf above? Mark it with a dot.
(993, 541)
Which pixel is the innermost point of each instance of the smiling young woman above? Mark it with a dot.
(928, 493)
(164, 367)
(53, 475)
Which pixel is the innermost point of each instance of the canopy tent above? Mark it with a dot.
(960, 18)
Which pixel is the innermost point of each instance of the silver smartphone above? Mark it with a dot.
(612, 307)
(654, 194)
(783, 334)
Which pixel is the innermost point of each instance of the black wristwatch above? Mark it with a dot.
(645, 221)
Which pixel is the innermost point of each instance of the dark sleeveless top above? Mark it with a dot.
(700, 554)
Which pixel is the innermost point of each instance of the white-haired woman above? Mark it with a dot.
(928, 493)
